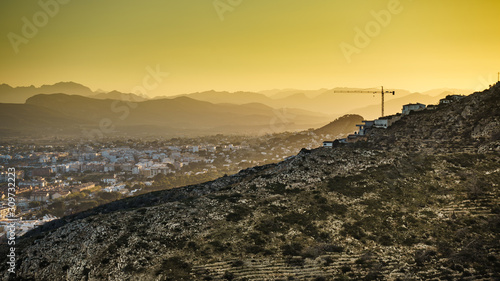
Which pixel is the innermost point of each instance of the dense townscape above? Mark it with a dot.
(63, 177)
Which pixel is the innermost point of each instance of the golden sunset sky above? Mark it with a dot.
(251, 45)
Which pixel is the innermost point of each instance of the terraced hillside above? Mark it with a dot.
(418, 201)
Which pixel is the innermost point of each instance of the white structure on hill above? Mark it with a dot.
(407, 108)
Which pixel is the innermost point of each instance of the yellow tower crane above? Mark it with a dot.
(382, 92)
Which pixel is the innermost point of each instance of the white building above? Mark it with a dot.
(155, 170)
(59, 194)
(43, 196)
(167, 160)
(381, 123)
(450, 99)
(109, 180)
(39, 183)
(114, 188)
(136, 169)
(62, 168)
(407, 108)
(328, 144)
(44, 159)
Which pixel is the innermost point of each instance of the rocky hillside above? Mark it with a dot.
(341, 125)
(418, 201)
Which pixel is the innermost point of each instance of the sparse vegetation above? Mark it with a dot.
(413, 207)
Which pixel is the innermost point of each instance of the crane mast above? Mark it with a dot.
(382, 93)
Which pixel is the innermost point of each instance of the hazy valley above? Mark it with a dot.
(69, 109)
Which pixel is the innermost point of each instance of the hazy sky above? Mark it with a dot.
(250, 44)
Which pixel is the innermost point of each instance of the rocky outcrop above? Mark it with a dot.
(418, 201)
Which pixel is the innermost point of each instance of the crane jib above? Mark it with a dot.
(382, 92)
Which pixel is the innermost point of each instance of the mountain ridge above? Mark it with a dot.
(418, 200)
(167, 116)
(9, 94)
(325, 101)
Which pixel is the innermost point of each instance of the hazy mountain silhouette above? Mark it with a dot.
(159, 117)
(10, 94)
(116, 95)
(197, 113)
(228, 97)
(324, 101)
(24, 119)
(341, 125)
(395, 105)
(438, 92)
(341, 103)
(283, 93)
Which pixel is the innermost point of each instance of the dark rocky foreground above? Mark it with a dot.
(418, 201)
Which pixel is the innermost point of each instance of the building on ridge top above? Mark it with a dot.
(407, 108)
(382, 122)
(450, 99)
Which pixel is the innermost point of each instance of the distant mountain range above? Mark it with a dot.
(326, 101)
(283, 93)
(69, 108)
(437, 92)
(74, 114)
(10, 94)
